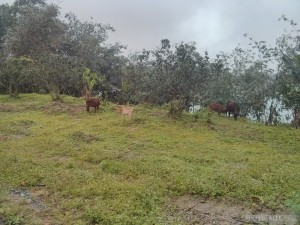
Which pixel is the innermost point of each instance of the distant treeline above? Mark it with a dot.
(43, 52)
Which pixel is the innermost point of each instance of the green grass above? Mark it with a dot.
(96, 168)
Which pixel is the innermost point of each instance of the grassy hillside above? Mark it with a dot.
(62, 165)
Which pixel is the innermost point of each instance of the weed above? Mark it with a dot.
(294, 203)
(14, 220)
(10, 219)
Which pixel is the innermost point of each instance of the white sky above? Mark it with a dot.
(215, 25)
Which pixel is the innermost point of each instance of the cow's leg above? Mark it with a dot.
(235, 116)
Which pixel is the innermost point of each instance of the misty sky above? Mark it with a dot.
(215, 25)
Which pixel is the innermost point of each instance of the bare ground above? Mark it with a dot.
(197, 210)
(185, 210)
(59, 107)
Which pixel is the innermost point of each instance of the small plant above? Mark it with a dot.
(196, 117)
(204, 116)
(176, 109)
(13, 220)
(208, 118)
(95, 217)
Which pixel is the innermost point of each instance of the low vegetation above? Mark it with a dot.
(62, 165)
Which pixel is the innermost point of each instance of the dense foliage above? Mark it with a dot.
(264, 79)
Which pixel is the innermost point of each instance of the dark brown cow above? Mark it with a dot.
(297, 120)
(92, 102)
(233, 107)
(217, 108)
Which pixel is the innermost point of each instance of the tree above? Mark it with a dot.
(56, 73)
(290, 86)
(86, 40)
(37, 30)
(6, 21)
(288, 46)
(38, 33)
(258, 89)
(8, 15)
(90, 79)
(170, 74)
(221, 81)
(253, 84)
(191, 75)
(14, 73)
(136, 84)
(33, 29)
(293, 65)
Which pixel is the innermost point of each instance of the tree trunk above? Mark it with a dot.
(10, 88)
(271, 115)
(257, 116)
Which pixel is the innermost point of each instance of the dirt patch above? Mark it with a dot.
(4, 138)
(84, 137)
(34, 201)
(6, 107)
(196, 210)
(10, 108)
(16, 130)
(22, 195)
(128, 155)
(59, 107)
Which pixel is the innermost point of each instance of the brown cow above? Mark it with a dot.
(297, 120)
(233, 107)
(217, 108)
(92, 102)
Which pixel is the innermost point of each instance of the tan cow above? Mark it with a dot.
(125, 111)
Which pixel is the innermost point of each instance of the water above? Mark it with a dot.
(284, 115)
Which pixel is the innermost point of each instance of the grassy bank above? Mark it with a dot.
(62, 165)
